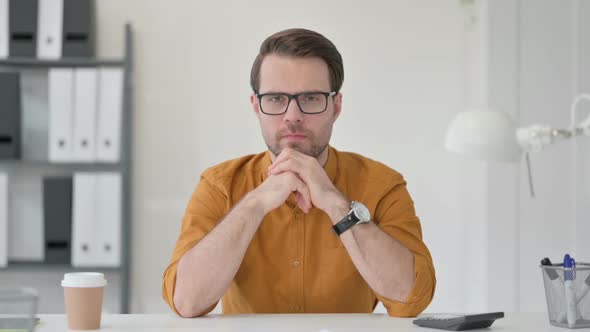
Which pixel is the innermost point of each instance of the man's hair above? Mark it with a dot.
(300, 43)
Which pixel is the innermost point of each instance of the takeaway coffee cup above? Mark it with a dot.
(83, 293)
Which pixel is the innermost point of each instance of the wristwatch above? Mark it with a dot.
(358, 214)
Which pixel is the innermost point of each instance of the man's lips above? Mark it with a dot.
(295, 136)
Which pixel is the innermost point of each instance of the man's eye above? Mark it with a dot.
(277, 98)
(310, 98)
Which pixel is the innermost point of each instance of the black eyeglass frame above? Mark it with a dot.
(296, 97)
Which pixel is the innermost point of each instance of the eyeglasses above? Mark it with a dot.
(308, 102)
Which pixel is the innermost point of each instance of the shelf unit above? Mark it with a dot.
(124, 167)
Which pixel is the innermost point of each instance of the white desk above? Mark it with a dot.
(284, 323)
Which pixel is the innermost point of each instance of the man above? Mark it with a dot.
(301, 227)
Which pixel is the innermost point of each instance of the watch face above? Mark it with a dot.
(361, 211)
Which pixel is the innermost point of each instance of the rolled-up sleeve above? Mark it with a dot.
(395, 215)
(206, 208)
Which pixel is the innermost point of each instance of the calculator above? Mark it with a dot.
(459, 322)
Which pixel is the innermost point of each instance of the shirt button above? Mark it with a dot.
(296, 263)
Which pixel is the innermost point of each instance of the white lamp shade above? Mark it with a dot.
(484, 134)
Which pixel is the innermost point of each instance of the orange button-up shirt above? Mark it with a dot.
(296, 262)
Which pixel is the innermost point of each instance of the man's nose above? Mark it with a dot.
(293, 113)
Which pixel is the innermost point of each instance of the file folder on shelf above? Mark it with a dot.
(23, 28)
(10, 116)
(110, 102)
(49, 29)
(3, 219)
(108, 219)
(83, 222)
(4, 29)
(25, 229)
(57, 216)
(78, 28)
(61, 91)
(96, 228)
(85, 81)
(35, 115)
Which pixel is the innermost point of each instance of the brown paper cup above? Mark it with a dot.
(83, 294)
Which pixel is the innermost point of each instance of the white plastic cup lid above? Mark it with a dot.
(84, 280)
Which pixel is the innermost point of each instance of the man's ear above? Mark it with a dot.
(254, 102)
(337, 105)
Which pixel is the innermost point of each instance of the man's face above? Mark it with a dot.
(306, 133)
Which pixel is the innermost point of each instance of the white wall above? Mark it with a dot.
(538, 62)
(404, 79)
(581, 72)
(546, 91)
(409, 67)
(502, 39)
(551, 75)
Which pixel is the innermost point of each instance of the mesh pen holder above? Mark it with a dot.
(567, 291)
(18, 307)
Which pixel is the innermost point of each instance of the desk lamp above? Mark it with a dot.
(492, 135)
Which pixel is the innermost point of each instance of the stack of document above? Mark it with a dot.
(46, 29)
(68, 220)
(25, 215)
(85, 114)
(96, 228)
(72, 115)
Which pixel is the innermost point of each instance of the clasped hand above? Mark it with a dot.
(293, 171)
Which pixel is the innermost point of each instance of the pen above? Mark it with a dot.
(585, 289)
(558, 290)
(550, 272)
(570, 294)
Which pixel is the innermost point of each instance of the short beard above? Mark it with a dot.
(315, 150)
